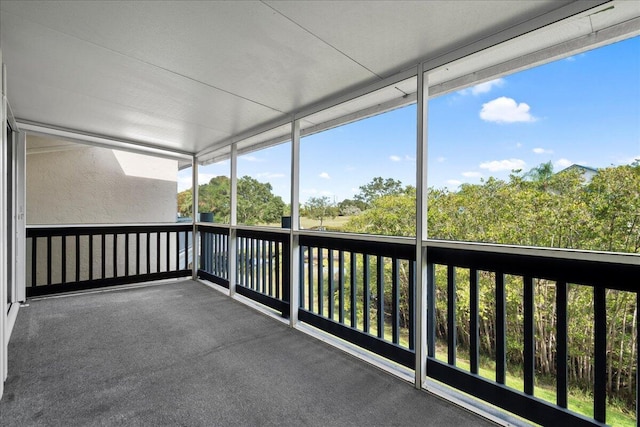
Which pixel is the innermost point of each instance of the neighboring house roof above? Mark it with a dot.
(587, 171)
(580, 167)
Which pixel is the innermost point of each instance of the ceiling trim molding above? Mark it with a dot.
(100, 140)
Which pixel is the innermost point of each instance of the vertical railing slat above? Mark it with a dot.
(49, 260)
(34, 260)
(158, 264)
(501, 337)
(137, 253)
(321, 281)
(126, 254)
(103, 249)
(353, 290)
(474, 353)
(341, 286)
(529, 336)
(168, 248)
(380, 296)
(366, 295)
(148, 271)
(561, 346)
(270, 262)
(77, 241)
(277, 270)
(395, 300)
(600, 354)
(90, 256)
(310, 291)
(431, 310)
(451, 315)
(115, 255)
(331, 283)
(63, 260)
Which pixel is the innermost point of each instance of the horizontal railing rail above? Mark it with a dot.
(70, 258)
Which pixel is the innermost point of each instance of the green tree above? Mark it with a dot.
(320, 208)
(256, 202)
(378, 187)
(392, 214)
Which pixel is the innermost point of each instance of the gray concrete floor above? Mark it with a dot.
(184, 354)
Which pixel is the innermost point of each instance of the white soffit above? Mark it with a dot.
(389, 36)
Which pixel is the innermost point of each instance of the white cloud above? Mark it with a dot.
(395, 158)
(506, 110)
(518, 144)
(503, 165)
(441, 159)
(324, 175)
(629, 160)
(453, 182)
(539, 150)
(409, 158)
(269, 175)
(483, 87)
(251, 158)
(564, 163)
(472, 174)
(574, 57)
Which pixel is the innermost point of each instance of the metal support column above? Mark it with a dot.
(232, 253)
(195, 256)
(294, 257)
(420, 299)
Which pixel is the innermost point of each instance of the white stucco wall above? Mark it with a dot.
(76, 184)
(69, 183)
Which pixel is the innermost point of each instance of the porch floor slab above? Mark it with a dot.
(183, 354)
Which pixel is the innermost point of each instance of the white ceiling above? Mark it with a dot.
(186, 76)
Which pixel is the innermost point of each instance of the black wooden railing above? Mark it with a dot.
(214, 254)
(529, 267)
(362, 289)
(70, 258)
(343, 292)
(262, 268)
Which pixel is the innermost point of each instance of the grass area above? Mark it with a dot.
(329, 223)
(578, 401)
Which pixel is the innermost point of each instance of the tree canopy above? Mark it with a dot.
(256, 202)
(320, 208)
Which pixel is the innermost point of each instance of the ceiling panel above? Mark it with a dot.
(242, 47)
(408, 31)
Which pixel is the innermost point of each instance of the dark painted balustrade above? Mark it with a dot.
(262, 268)
(214, 254)
(70, 258)
(362, 290)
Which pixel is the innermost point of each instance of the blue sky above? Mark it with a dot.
(584, 109)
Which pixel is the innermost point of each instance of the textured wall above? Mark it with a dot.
(89, 185)
(76, 184)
